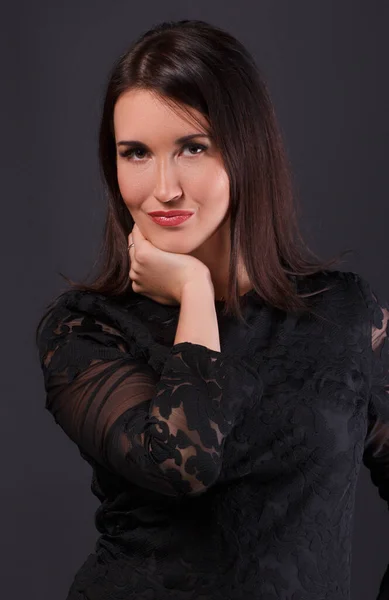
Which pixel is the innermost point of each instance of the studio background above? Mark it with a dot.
(326, 64)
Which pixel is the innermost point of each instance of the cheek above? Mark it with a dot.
(132, 189)
(209, 187)
(222, 185)
(122, 182)
(217, 190)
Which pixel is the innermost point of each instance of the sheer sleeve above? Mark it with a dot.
(161, 431)
(376, 450)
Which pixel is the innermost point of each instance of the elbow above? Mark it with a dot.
(188, 477)
(189, 472)
(201, 479)
(197, 489)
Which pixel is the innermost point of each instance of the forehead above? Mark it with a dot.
(145, 112)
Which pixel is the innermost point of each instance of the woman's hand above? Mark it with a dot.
(161, 275)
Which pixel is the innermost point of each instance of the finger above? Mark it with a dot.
(139, 233)
(131, 251)
(137, 239)
(136, 235)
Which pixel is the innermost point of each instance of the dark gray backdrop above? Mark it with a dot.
(327, 68)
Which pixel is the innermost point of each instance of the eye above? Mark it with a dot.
(196, 146)
(130, 152)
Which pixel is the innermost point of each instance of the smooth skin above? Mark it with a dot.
(160, 175)
(187, 283)
(162, 275)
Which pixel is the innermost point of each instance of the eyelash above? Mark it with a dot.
(129, 151)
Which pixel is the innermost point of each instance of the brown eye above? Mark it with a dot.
(130, 155)
(197, 146)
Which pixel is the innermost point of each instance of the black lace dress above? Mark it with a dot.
(223, 475)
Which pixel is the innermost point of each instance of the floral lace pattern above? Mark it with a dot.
(225, 474)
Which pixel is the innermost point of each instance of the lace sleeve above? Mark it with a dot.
(376, 450)
(166, 432)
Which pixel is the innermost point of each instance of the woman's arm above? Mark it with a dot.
(198, 321)
(197, 324)
(161, 430)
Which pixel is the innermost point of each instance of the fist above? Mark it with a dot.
(161, 275)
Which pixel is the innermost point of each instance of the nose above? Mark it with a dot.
(167, 183)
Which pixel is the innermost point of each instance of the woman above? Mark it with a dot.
(224, 387)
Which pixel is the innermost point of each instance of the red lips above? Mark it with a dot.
(170, 213)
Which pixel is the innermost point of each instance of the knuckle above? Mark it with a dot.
(140, 257)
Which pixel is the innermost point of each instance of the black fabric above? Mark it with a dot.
(223, 475)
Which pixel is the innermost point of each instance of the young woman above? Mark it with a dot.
(223, 386)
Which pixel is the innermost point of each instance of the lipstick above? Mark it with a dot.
(172, 221)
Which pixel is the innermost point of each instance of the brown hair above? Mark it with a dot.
(191, 63)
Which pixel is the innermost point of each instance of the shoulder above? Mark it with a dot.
(81, 312)
(346, 297)
(369, 298)
(94, 321)
(349, 286)
(77, 302)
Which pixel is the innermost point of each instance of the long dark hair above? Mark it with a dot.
(191, 63)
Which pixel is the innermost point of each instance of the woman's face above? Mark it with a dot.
(153, 169)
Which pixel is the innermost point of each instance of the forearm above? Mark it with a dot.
(198, 320)
(198, 398)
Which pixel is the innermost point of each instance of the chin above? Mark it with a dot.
(175, 248)
(182, 246)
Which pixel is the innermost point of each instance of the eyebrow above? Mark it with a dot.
(180, 140)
